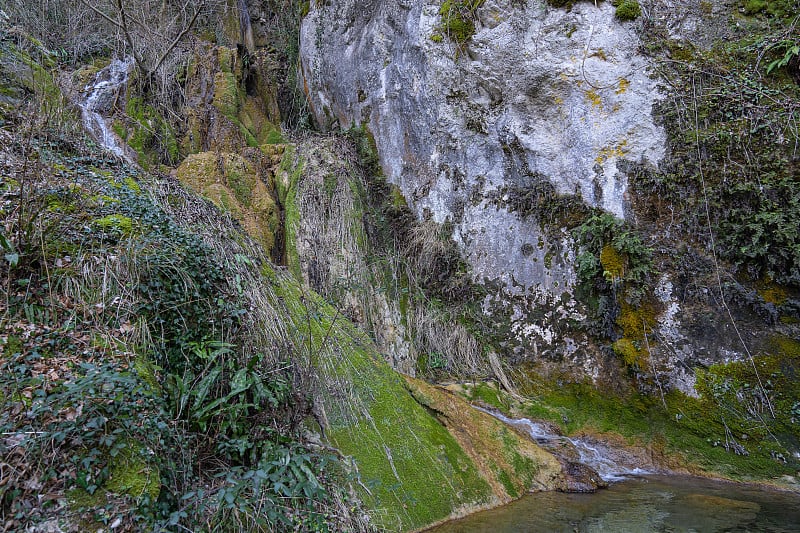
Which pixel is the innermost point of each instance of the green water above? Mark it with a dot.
(655, 503)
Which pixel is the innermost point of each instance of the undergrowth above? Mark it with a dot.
(143, 385)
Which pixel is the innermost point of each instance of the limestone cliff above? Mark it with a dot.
(518, 125)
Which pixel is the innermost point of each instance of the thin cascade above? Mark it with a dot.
(100, 96)
(592, 455)
(246, 27)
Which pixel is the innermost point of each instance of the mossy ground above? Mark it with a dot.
(698, 434)
(413, 471)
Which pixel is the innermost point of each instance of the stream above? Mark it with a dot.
(635, 500)
(100, 95)
(645, 504)
(611, 465)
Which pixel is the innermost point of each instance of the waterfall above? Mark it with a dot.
(597, 456)
(100, 96)
(246, 27)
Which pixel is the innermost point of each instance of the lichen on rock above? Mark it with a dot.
(234, 184)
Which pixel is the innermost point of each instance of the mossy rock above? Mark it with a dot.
(116, 223)
(231, 182)
(413, 472)
(226, 94)
(130, 474)
(511, 462)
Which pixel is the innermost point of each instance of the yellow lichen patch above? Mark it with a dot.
(613, 263)
(509, 461)
(600, 54)
(232, 184)
(637, 324)
(607, 152)
(632, 355)
(772, 293)
(624, 83)
(594, 98)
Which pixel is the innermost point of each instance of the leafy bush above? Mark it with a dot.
(96, 304)
(760, 232)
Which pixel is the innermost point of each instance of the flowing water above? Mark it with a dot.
(634, 502)
(246, 28)
(646, 504)
(606, 462)
(100, 96)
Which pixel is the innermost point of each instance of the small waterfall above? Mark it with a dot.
(594, 455)
(100, 95)
(246, 27)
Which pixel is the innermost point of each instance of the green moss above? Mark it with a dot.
(489, 394)
(131, 184)
(147, 371)
(13, 345)
(458, 19)
(505, 480)
(241, 181)
(226, 94)
(772, 8)
(414, 470)
(132, 474)
(627, 10)
(288, 178)
(120, 224)
(149, 134)
(691, 431)
(275, 137)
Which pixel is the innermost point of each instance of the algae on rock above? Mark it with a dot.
(234, 185)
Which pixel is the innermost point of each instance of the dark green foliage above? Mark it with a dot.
(601, 230)
(760, 231)
(152, 137)
(772, 8)
(733, 171)
(111, 412)
(198, 436)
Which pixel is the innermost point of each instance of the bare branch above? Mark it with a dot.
(178, 39)
(109, 19)
(124, 20)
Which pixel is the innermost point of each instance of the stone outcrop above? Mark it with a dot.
(538, 98)
(510, 134)
(235, 186)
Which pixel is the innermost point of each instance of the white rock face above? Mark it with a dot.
(538, 94)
